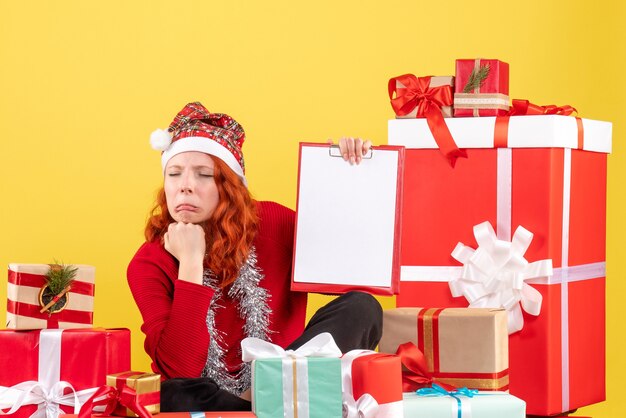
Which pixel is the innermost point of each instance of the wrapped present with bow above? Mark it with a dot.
(50, 372)
(295, 383)
(410, 96)
(482, 88)
(127, 394)
(531, 192)
(455, 347)
(371, 384)
(50, 296)
(429, 99)
(437, 402)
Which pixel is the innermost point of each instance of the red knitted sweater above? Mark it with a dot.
(174, 311)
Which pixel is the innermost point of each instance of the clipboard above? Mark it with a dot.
(348, 221)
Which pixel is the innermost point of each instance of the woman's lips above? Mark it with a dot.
(186, 207)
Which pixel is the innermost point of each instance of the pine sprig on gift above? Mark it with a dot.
(477, 78)
(60, 276)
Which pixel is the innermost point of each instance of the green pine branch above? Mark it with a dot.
(477, 78)
(60, 276)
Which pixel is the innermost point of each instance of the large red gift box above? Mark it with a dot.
(54, 362)
(543, 183)
(491, 98)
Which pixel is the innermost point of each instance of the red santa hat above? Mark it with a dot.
(196, 129)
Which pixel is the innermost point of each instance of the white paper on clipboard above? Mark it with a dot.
(346, 218)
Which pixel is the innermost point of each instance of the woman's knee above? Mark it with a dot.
(361, 305)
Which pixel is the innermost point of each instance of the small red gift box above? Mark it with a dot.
(68, 365)
(547, 174)
(25, 299)
(490, 95)
(370, 378)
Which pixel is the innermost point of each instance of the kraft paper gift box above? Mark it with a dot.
(457, 405)
(491, 98)
(57, 362)
(402, 90)
(304, 382)
(25, 301)
(463, 347)
(147, 387)
(546, 174)
(372, 385)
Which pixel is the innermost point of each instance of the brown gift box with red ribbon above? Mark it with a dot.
(147, 387)
(490, 95)
(402, 90)
(26, 297)
(462, 347)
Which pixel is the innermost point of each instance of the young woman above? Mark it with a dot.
(216, 268)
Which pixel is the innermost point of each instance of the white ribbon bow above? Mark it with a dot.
(322, 345)
(365, 407)
(47, 393)
(494, 274)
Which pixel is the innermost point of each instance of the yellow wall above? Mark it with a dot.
(83, 83)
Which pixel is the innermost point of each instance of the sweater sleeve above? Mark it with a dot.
(174, 313)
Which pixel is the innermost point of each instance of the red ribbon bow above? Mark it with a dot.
(523, 108)
(417, 375)
(112, 397)
(428, 101)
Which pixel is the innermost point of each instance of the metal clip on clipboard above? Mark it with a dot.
(333, 151)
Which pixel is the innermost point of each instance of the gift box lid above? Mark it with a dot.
(529, 131)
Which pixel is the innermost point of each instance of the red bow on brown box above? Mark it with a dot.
(417, 93)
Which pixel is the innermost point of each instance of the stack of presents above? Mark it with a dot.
(501, 302)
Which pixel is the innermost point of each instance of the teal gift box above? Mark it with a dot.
(478, 405)
(301, 383)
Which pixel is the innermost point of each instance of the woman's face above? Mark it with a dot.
(190, 189)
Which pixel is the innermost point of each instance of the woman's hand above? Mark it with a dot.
(353, 149)
(186, 242)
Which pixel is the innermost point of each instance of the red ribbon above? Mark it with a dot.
(523, 108)
(428, 101)
(66, 315)
(38, 280)
(112, 397)
(417, 375)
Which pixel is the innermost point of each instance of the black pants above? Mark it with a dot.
(354, 320)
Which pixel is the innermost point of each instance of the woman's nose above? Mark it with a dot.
(186, 184)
